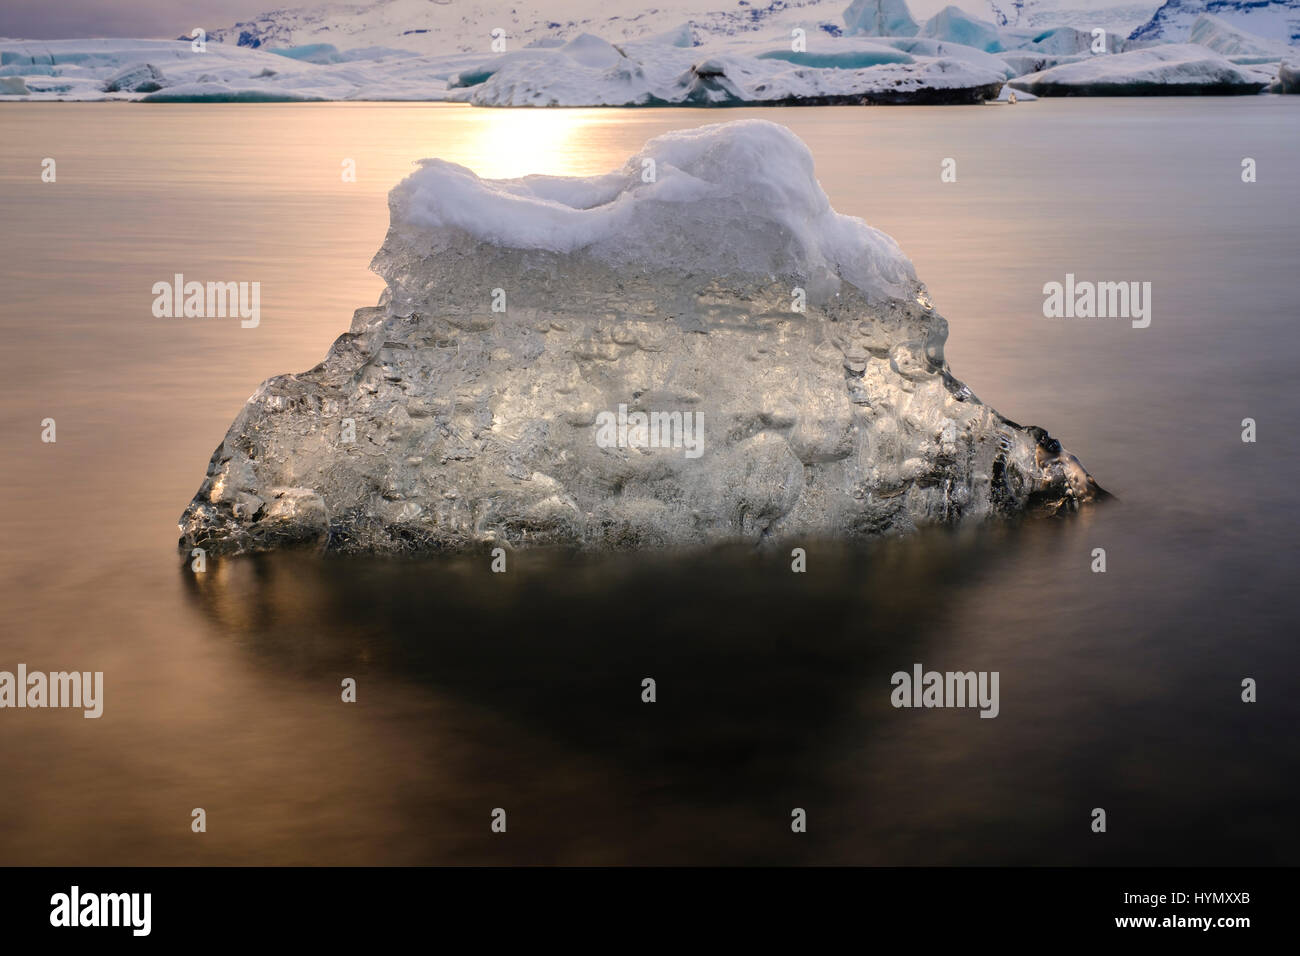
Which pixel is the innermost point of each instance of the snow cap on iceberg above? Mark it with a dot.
(735, 199)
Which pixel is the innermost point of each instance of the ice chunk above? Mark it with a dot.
(138, 78)
(1288, 79)
(789, 368)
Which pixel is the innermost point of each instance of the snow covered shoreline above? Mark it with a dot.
(785, 57)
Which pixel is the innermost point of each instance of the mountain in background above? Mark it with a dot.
(449, 26)
(1081, 14)
(1275, 20)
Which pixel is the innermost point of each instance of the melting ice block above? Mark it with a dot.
(693, 349)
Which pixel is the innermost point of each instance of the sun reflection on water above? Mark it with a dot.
(507, 143)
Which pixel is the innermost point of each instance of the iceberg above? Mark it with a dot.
(957, 26)
(1288, 79)
(583, 71)
(879, 18)
(1068, 40)
(692, 349)
(1174, 69)
(845, 70)
(101, 68)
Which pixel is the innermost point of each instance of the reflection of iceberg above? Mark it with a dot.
(708, 277)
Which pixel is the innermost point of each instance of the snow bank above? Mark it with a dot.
(585, 71)
(1161, 70)
(735, 199)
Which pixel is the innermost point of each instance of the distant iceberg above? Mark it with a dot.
(1175, 69)
(879, 18)
(587, 71)
(957, 26)
(584, 71)
(692, 349)
(954, 58)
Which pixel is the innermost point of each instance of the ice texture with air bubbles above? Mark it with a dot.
(716, 282)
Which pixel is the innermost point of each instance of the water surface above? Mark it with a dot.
(522, 691)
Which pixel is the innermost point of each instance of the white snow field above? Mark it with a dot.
(682, 52)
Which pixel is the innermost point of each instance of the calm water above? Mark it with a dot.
(521, 690)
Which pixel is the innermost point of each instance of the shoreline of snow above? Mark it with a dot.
(676, 69)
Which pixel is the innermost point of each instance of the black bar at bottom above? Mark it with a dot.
(331, 906)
